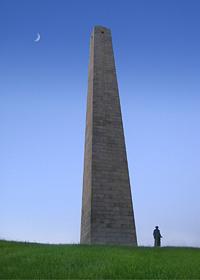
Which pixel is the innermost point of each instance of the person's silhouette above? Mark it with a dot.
(157, 237)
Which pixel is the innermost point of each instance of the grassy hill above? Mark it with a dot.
(41, 261)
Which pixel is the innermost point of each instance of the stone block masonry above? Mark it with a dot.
(107, 210)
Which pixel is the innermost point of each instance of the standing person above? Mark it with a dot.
(157, 237)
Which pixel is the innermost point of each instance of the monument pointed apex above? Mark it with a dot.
(100, 28)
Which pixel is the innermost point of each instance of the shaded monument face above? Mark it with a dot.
(107, 211)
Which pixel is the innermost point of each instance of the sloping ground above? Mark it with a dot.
(41, 261)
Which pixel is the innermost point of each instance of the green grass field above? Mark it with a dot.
(41, 261)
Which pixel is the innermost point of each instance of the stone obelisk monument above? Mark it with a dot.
(107, 211)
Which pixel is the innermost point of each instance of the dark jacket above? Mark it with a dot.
(156, 234)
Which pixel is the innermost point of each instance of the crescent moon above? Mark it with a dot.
(38, 37)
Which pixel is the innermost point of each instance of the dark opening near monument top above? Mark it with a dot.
(107, 210)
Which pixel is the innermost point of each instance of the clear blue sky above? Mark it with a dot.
(43, 89)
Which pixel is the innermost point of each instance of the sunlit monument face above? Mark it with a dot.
(107, 211)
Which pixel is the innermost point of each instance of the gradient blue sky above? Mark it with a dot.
(43, 89)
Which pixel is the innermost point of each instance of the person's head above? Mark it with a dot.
(156, 227)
